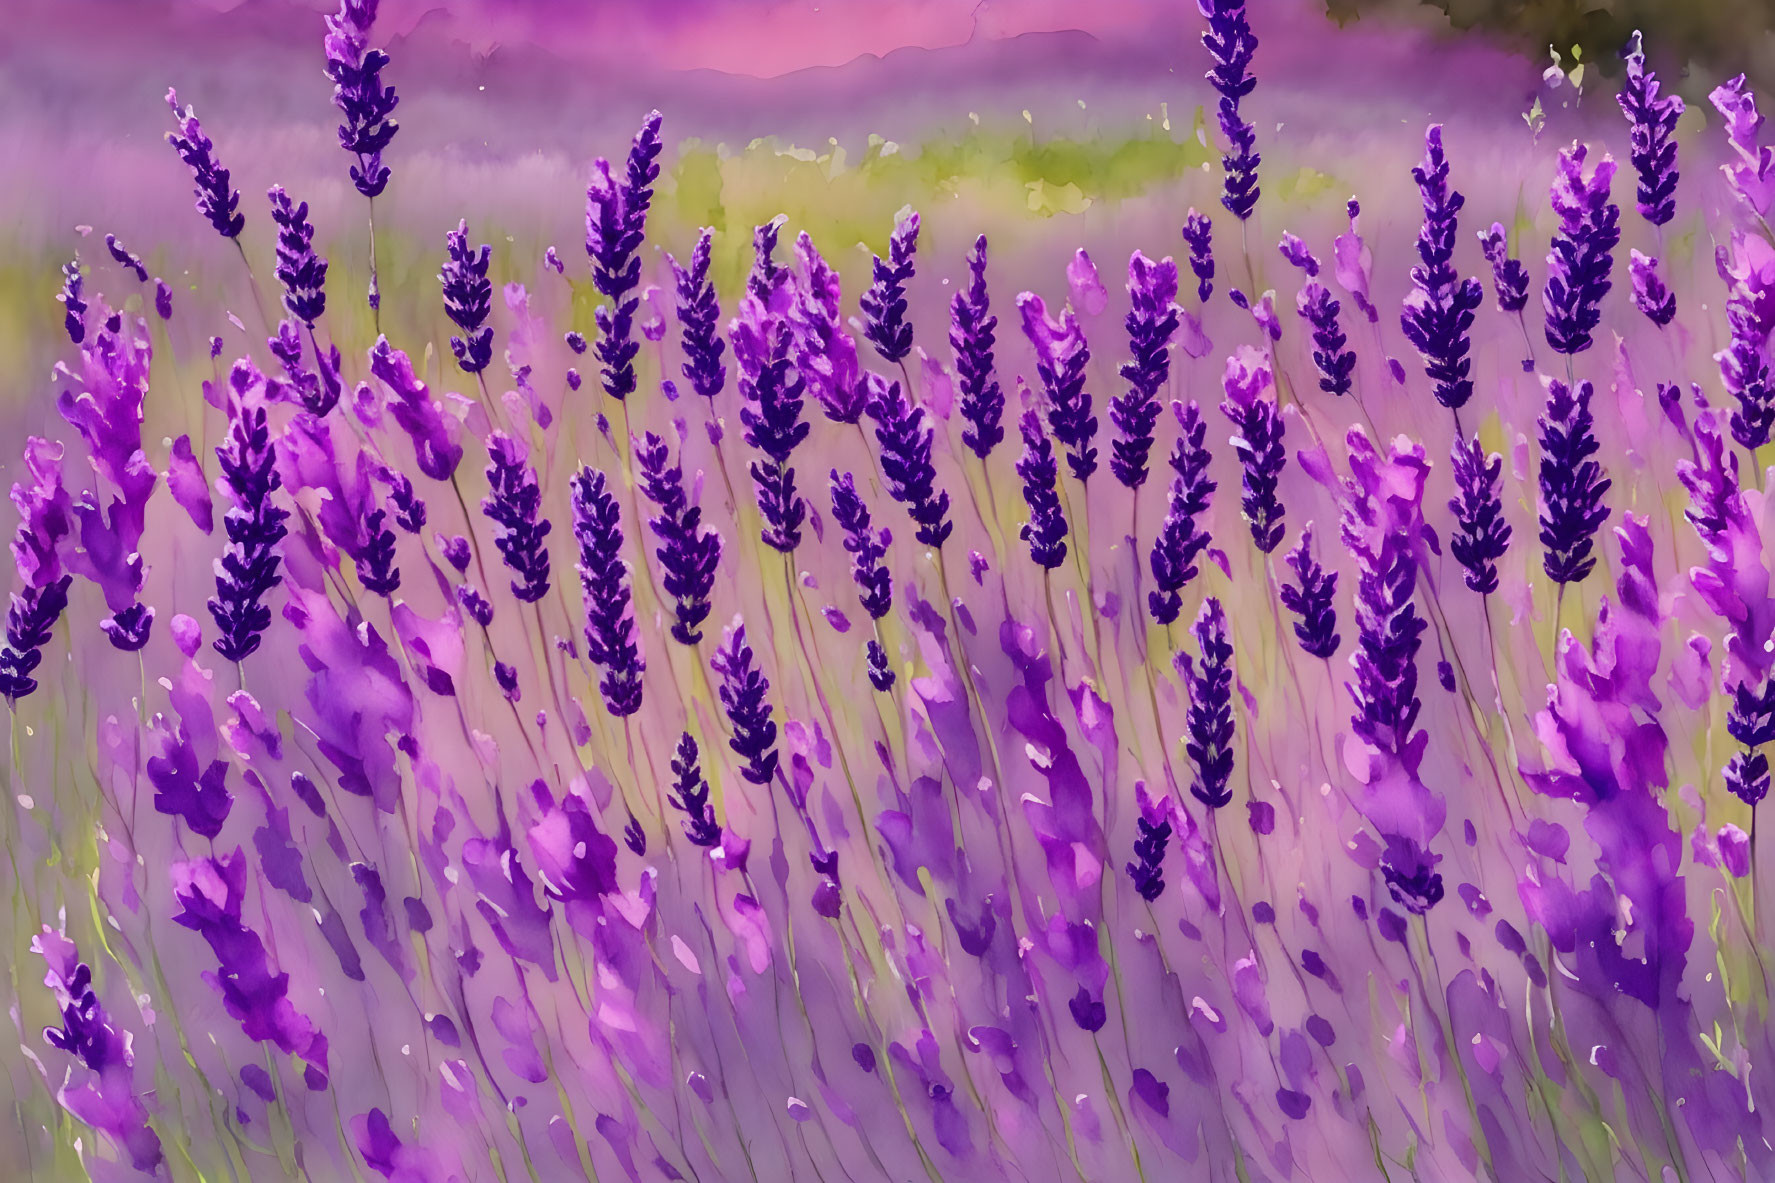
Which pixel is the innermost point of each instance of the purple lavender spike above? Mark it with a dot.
(217, 200)
(1438, 314)
(1231, 44)
(1651, 121)
(1152, 321)
(468, 299)
(972, 328)
(1045, 532)
(358, 92)
(699, 311)
(1254, 414)
(611, 638)
(884, 304)
(1182, 538)
(514, 504)
(1581, 256)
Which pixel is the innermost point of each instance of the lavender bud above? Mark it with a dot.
(513, 504)
(611, 640)
(126, 260)
(1438, 312)
(866, 547)
(248, 569)
(1198, 233)
(366, 104)
(216, 200)
(742, 692)
(699, 312)
(1231, 44)
(1209, 719)
(688, 551)
(1580, 258)
(1258, 443)
(884, 304)
(468, 299)
(905, 435)
(1181, 539)
(1509, 276)
(1651, 122)
(1572, 483)
(301, 271)
(1152, 320)
(72, 300)
(972, 329)
(1045, 532)
(690, 796)
(1312, 601)
(616, 224)
(1481, 533)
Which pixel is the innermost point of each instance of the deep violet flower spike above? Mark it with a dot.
(1045, 531)
(876, 665)
(690, 795)
(1152, 321)
(743, 693)
(771, 416)
(699, 313)
(1651, 120)
(1438, 314)
(616, 223)
(217, 200)
(1509, 276)
(1148, 868)
(972, 335)
(73, 301)
(1481, 534)
(1062, 356)
(30, 622)
(1335, 363)
(688, 550)
(376, 569)
(468, 299)
(1581, 256)
(300, 270)
(1572, 483)
(248, 569)
(905, 435)
(1198, 234)
(366, 104)
(1252, 408)
(1650, 293)
(1312, 600)
(761, 281)
(1182, 538)
(884, 304)
(1744, 363)
(1381, 532)
(514, 504)
(1231, 44)
(611, 639)
(1208, 677)
(867, 547)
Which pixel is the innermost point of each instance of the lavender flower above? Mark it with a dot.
(616, 224)
(73, 302)
(1650, 295)
(1752, 174)
(30, 622)
(742, 692)
(1198, 234)
(1380, 528)
(905, 435)
(1320, 309)
(762, 280)
(409, 510)
(867, 547)
(688, 550)
(1581, 258)
(125, 259)
(1438, 314)
(1652, 124)
(610, 633)
(248, 569)
(1750, 721)
(468, 299)
(211, 893)
(772, 420)
(1312, 601)
(698, 312)
(825, 355)
(1749, 271)
(478, 606)
(513, 503)
(215, 199)
(1181, 539)
(1258, 443)
(319, 389)
(1148, 868)
(884, 304)
(972, 329)
(690, 796)
(302, 273)
(1572, 483)
(1509, 276)
(1152, 320)
(366, 104)
(1208, 678)
(108, 1102)
(163, 300)
(1061, 358)
(375, 561)
(1045, 531)
(1481, 533)
(1231, 44)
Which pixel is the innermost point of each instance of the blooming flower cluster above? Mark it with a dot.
(888, 799)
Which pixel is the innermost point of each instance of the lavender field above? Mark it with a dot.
(1136, 595)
